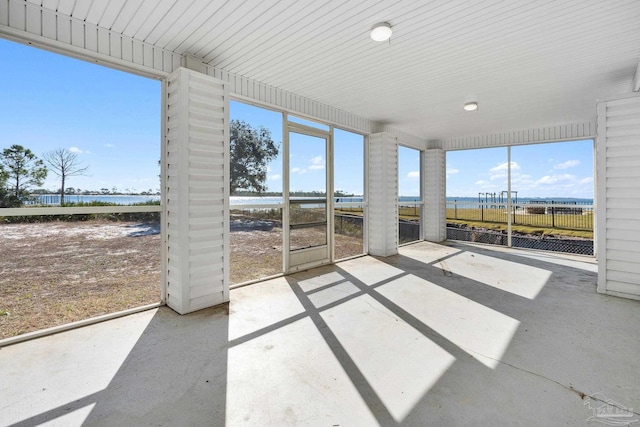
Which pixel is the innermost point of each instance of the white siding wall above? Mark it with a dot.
(618, 196)
(383, 195)
(434, 188)
(197, 191)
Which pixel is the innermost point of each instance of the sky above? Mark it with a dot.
(559, 169)
(111, 119)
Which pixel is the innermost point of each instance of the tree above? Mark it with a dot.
(65, 164)
(20, 169)
(251, 150)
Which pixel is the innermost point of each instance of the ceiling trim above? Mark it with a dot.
(261, 93)
(34, 25)
(555, 133)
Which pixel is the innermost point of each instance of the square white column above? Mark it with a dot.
(196, 196)
(434, 196)
(383, 194)
(618, 196)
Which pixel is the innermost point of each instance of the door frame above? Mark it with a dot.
(288, 126)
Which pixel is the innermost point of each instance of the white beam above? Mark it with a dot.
(636, 79)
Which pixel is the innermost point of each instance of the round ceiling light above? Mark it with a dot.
(381, 32)
(471, 106)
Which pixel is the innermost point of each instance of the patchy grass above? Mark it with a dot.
(56, 273)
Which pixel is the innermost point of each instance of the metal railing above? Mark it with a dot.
(562, 215)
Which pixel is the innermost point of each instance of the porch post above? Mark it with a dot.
(196, 196)
(434, 187)
(618, 200)
(383, 194)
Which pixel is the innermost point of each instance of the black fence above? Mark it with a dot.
(573, 246)
(548, 214)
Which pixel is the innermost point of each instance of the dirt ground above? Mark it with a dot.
(60, 272)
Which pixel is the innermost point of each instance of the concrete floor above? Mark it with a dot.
(453, 334)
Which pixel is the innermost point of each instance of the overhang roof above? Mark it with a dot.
(528, 64)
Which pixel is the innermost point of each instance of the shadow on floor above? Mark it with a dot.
(450, 334)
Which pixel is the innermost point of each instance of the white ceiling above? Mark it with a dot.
(528, 63)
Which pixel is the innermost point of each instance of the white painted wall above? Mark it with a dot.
(383, 194)
(618, 196)
(197, 191)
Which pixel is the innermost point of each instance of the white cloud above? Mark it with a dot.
(502, 167)
(555, 179)
(318, 160)
(299, 171)
(587, 180)
(275, 177)
(75, 150)
(481, 182)
(109, 145)
(452, 171)
(566, 165)
(413, 175)
(317, 163)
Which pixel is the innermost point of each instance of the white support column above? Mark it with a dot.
(434, 196)
(383, 194)
(197, 191)
(618, 196)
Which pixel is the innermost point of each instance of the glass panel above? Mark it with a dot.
(409, 179)
(408, 223)
(256, 244)
(64, 268)
(259, 159)
(408, 174)
(348, 176)
(308, 237)
(308, 223)
(308, 191)
(349, 232)
(348, 171)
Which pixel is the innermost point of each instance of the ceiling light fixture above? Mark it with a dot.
(381, 31)
(471, 106)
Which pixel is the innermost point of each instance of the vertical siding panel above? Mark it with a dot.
(77, 34)
(63, 29)
(33, 19)
(147, 59)
(91, 39)
(157, 59)
(17, 15)
(138, 55)
(103, 41)
(126, 50)
(49, 29)
(115, 45)
(4, 12)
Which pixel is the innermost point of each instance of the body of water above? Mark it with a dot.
(469, 202)
(54, 199)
